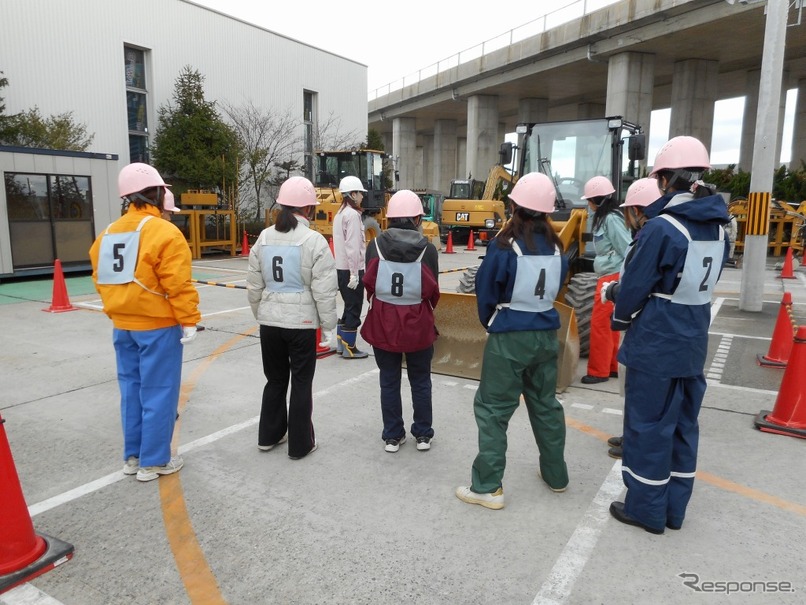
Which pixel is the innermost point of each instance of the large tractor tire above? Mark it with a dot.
(467, 283)
(580, 293)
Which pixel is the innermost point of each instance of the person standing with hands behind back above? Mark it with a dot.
(516, 285)
(402, 289)
(291, 287)
(349, 248)
(610, 241)
(142, 270)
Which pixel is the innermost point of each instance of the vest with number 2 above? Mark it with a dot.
(701, 269)
(117, 257)
(399, 283)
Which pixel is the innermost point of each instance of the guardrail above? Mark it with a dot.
(547, 21)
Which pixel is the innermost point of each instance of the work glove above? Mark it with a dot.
(328, 340)
(188, 334)
(353, 283)
(609, 291)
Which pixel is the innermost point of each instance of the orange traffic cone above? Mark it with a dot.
(332, 249)
(23, 554)
(320, 350)
(245, 245)
(471, 242)
(449, 244)
(781, 344)
(787, 271)
(60, 302)
(789, 415)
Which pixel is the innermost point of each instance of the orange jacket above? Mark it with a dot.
(163, 265)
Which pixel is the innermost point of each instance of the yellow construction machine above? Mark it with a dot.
(372, 167)
(569, 153)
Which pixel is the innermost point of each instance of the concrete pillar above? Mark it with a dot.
(630, 84)
(749, 120)
(427, 163)
(461, 159)
(404, 150)
(531, 110)
(482, 135)
(799, 128)
(445, 159)
(694, 91)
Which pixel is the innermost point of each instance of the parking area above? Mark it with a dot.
(353, 524)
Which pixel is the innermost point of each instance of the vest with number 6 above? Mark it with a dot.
(701, 269)
(399, 283)
(281, 266)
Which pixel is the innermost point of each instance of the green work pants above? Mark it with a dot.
(518, 363)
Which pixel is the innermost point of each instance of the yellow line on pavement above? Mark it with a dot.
(199, 580)
(720, 482)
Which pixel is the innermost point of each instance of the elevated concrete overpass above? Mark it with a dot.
(627, 59)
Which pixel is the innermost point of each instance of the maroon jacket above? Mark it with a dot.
(401, 328)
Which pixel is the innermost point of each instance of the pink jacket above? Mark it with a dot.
(348, 240)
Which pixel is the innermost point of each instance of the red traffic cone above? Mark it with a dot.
(332, 249)
(245, 244)
(787, 272)
(60, 302)
(789, 415)
(23, 554)
(449, 244)
(320, 350)
(471, 242)
(781, 344)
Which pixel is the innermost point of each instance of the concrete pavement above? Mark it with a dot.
(354, 524)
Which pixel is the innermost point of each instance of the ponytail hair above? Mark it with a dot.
(524, 225)
(286, 220)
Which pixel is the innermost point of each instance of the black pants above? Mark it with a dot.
(418, 369)
(353, 299)
(288, 355)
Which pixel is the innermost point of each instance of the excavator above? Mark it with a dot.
(570, 153)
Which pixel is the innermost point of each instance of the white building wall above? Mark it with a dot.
(67, 55)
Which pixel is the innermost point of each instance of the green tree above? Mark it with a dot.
(374, 140)
(193, 145)
(31, 129)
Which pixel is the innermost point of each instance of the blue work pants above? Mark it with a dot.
(418, 369)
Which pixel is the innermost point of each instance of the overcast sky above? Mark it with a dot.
(399, 39)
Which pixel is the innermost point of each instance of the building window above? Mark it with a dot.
(309, 121)
(136, 103)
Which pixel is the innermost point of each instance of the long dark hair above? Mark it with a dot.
(680, 180)
(524, 225)
(604, 206)
(286, 219)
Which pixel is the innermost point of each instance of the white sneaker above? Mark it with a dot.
(424, 443)
(268, 448)
(149, 473)
(131, 466)
(393, 445)
(495, 501)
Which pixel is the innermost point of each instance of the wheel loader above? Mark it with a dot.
(570, 153)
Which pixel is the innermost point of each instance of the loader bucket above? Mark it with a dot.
(460, 347)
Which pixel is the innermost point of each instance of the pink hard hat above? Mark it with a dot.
(681, 152)
(137, 177)
(168, 203)
(598, 186)
(404, 204)
(298, 192)
(642, 193)
(534, 191)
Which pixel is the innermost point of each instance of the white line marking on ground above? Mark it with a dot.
(767, 338)
(224, 311)
(715, 307)
(472, 387)
(612, 411)
(738, 388)
(26, 594)
(584, 406)
(92, 486)
(569, 565)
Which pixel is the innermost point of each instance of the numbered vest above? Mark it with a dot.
(117, 257)
(537, 281)
(701, 269)
(281, 267)
(399, 283)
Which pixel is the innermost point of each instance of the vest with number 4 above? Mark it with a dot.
(701, 269)
(399, 283)
(117, 257)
